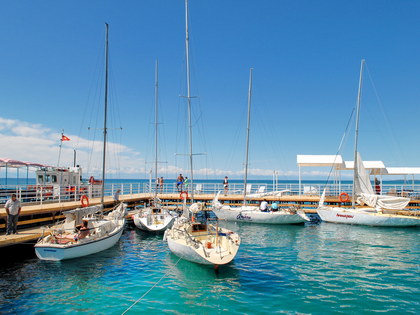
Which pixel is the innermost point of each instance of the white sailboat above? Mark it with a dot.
(85, 231)
(191, 238)
(154, 218)
(252, 214)
(374, 210)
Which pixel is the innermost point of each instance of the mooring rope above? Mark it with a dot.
(147, 292)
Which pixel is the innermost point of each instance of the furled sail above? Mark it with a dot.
(365, 194)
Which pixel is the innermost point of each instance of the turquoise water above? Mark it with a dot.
(312, 269)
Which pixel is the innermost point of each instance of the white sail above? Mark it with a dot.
(362, 183)
(365, 194)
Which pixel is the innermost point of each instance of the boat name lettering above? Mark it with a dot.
(345, 216)
(50, 250)
(243, 217)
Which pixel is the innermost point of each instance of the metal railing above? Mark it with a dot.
(39, 194)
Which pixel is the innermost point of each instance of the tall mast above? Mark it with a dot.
(156, 124)
(187, 54)
(356, 132)
(247, 132)
(105, 114)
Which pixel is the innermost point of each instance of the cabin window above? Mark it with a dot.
(40, 179)
(199, 227)
(47, 179)
(54, 178)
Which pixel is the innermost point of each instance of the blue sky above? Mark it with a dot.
(306, 58)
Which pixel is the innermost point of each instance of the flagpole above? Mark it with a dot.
(59, 152)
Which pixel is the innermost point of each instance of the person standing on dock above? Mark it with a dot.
(117, 197)
(160, 183)
(179, 182)
(13, 208)
(226, 185)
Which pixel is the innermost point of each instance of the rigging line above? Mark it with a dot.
(148, 291)
(383, 110)
(340, 146)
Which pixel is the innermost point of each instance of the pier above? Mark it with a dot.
(35, 217)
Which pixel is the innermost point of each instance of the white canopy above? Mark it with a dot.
(402, 171)
(320, 160)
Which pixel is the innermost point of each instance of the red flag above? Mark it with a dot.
(64, 138)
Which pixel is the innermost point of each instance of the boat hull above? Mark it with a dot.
(155, 226)
(349, 216)
(205, 249)
(56, 252)
(253, 215)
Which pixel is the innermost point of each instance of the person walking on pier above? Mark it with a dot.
(13, 209)
(160, 184)
(179, 182)
(186, 183)
(226, 185)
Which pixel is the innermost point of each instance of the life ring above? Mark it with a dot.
(344, 197)
(184, 195)
(84, 200)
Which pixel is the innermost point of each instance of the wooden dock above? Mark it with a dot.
(33, 217)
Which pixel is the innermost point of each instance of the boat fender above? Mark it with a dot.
(344, 197)
(84, 200)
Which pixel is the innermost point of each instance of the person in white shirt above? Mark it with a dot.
(13, 208)
(264, 205)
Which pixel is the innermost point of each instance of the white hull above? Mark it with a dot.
(254, 215)
(57, 252)
(360, 217)
(202, 247)
(62, 244)
(153, 223)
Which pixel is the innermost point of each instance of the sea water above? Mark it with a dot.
(297, 269)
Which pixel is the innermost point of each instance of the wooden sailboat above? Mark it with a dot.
(252, 214)
(193, 237)
(380, 210)
(154, 218)
(85, 231)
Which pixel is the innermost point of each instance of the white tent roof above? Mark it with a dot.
(320, 160)
(402, 171)
(336, 161)
(375, 167)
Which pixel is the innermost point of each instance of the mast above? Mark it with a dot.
(187, 54)
(247, 132)
(156, 126)
(356, 132)
(105, 115)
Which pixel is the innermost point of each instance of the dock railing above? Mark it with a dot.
(39, 194)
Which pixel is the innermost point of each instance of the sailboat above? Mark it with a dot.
(85, 230)
(193, 236)
(154, 218)
(252, 214)
(374, 210)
